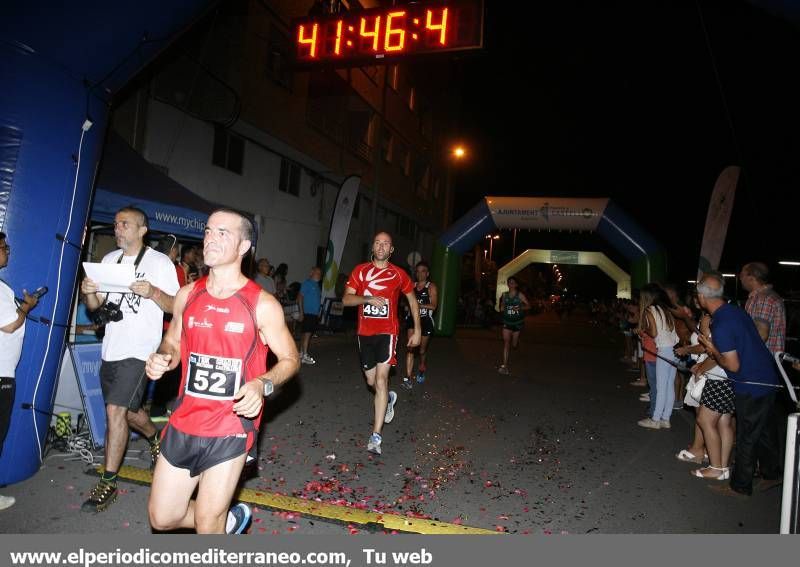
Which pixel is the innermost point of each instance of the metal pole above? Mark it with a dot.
(514, 246)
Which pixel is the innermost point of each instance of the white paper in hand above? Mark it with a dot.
(111, 277)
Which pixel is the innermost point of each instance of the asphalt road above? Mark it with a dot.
(552, 449)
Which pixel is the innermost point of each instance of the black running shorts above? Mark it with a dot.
(425, 323)
(198, 454)
(377, 349)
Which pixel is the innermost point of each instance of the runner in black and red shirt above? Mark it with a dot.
(222, 327)
(375, 288)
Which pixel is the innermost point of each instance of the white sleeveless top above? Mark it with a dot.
(665, 338)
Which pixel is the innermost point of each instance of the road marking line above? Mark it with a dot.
(326, 511)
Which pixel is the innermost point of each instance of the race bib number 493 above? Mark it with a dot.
(213, 377)
(371, 311)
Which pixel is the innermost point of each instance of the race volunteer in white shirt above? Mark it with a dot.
(127, 344)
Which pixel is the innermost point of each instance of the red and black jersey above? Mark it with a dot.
(389, 282)
(220, 351)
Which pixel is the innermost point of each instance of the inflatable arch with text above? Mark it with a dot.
(646, 257)
(598, 259)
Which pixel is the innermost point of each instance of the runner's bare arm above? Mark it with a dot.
(414, 339)
(273, 331)
(434, 295)
(168, 355)
(351, 299)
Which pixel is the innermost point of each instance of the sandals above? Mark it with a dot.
(689, 457)
(724, 473)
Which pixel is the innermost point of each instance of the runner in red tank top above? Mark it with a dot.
(222, 327)
(375, 288)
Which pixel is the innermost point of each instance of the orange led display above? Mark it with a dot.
(311, 42)
(337, 49)
(374, 34)
(388, 33)
(395, 37)
(441, 26)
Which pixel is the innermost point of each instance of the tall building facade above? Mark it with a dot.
(224, 113)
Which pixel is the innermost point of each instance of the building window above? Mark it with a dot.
(228, 150)
(394, 77)
(278, 68)
(290, 178)
(387, 142)
(412, 94)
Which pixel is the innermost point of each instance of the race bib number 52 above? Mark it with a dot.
(371, 311)
(213, 377)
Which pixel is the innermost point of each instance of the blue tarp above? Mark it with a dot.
(126, 178)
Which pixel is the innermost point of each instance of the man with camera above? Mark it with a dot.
(133, 324)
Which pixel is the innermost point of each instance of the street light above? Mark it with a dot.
(456, 154)
(491, 243)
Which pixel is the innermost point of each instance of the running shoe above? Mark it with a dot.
(6, 502)
(100, 497)
(239, 517)
(306, 359)
(407, 384)
(374, 443)
(504, 370)
(390, 407)
(420, 377)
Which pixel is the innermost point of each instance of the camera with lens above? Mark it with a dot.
(106, 313)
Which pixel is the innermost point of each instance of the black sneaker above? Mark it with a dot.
(155, 451)
(239, 517)
(100, 497)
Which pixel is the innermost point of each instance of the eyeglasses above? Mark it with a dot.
(125, 224)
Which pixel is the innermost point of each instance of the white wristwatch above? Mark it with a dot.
(268, 386)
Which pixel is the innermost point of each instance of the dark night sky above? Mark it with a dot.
(621, 100)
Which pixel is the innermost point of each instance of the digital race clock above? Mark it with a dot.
(389, 32)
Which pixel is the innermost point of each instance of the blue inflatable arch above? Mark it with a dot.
(62, 63)
(540, 213)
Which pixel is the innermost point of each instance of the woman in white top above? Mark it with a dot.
(657, 321)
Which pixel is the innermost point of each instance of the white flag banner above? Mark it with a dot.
(340, 225)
